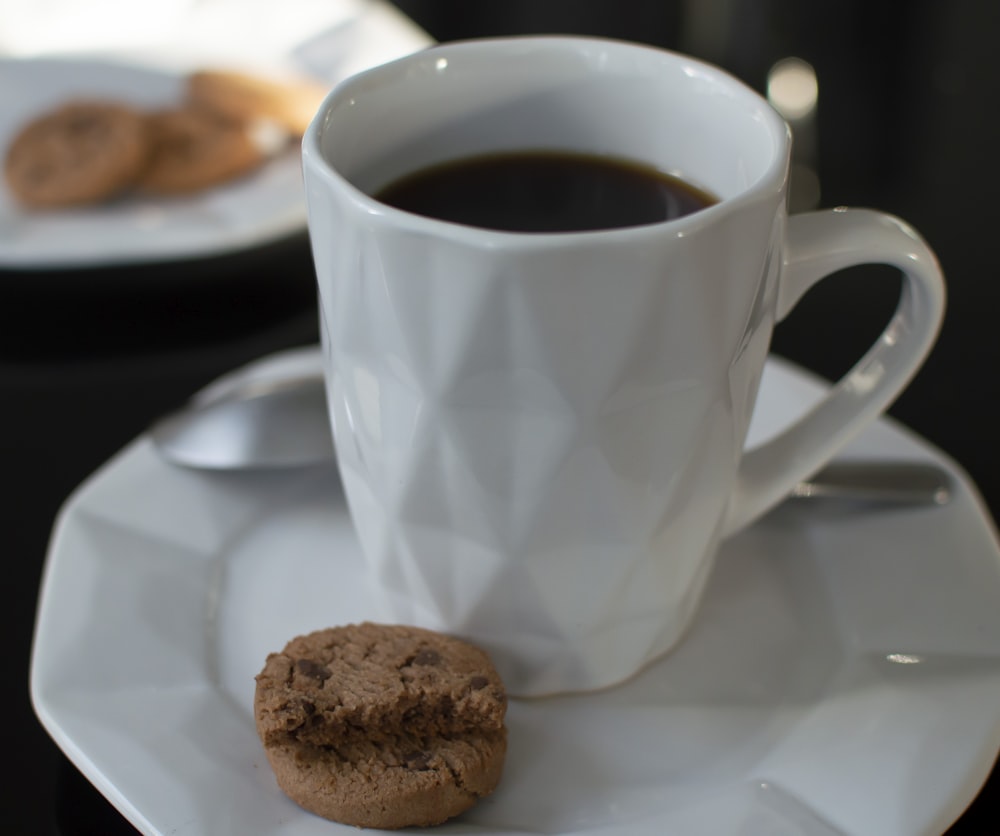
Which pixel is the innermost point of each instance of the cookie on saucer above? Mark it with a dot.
(380, 725)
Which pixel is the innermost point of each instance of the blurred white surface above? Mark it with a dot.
(244, 31)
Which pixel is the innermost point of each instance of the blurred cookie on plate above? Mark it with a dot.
(291, 103)
(226, 125)
(82, 152)
(194, 148)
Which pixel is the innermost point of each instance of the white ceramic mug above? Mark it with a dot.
(541, 435)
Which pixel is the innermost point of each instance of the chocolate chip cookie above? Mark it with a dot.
(81, 153)
(194, 149)
(291, 103)
(382, 725)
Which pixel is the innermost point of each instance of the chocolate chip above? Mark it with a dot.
(82, 123)
(427, 657)
(417, 761)
(39, 173)
(307, 667)
(185, 146)
(477, 683)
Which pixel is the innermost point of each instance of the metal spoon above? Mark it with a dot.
(284, 423)
(262, 424)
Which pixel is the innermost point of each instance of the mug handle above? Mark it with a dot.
(818, 244)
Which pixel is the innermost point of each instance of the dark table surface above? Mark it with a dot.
(907, 122)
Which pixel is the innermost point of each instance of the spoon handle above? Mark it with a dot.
(911, 483)
(283, 423)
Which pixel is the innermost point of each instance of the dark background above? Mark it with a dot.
(907, 122)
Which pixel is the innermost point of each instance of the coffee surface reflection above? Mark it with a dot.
(545, 191)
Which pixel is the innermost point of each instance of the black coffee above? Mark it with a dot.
(542, 191)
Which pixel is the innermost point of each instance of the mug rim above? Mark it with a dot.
(772, 182)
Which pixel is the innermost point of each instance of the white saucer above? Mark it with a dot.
(843, 676)
(263, 207)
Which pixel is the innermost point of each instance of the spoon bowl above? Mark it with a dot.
(260, 425)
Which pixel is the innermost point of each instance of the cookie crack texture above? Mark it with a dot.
(319, 688)
(382, 725)
(456, 777)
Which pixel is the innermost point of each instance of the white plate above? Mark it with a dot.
(843, 676)
(255, 210)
